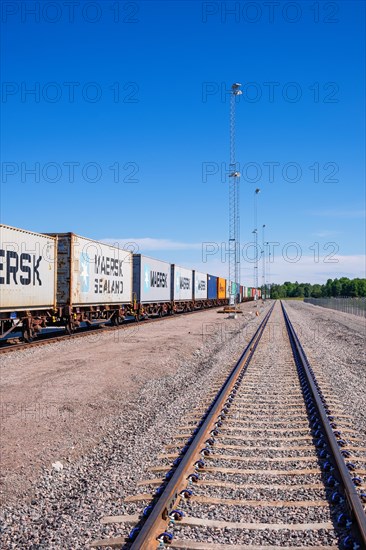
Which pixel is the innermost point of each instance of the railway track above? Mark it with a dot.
(84, 332)
(270, 461)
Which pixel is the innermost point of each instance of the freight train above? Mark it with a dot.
(63, 280)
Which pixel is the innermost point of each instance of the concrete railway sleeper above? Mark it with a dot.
(270, 464)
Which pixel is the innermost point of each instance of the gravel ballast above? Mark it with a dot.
(334, 343)
(62, 509)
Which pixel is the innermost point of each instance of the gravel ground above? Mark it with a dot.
(251, 514)
(334, 343)
(263, 479)
(62, 509)
(284, 537)
(263, 494)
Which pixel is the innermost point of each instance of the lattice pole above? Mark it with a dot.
(234, 212)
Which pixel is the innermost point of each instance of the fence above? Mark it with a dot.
(356, 306)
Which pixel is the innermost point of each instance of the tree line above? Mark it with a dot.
(342, 287)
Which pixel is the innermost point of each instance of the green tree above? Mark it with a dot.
(327, 288)
(345, 286)
(299, 291)
(336, 288)
(316, 291)
(361, 287)
(307, 290)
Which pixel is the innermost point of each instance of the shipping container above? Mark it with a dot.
(91, 273)
(241, 292)
(151, 280)
(181, 284)
(249, 291)
(221, 288)
(27, 270)
(199, 285)
(236, 288)
(211, 287)
(233, 286)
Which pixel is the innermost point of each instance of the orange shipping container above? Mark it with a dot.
(221, 288)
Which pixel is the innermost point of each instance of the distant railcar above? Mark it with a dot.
(200, 289)
(151, 286)
(232, 288)
(182, 288)
(212, 288)
(221, 288)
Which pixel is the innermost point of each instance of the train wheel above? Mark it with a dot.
(70, 327)
(115, 320)
(28, 335)
(27, 331)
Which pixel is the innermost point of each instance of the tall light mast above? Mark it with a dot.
(234, 214)
(256, 245)
(264, 264)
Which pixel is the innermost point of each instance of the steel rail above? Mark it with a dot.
(351, 494)
(156, 522)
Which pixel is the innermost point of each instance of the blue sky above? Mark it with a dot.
(144, 90)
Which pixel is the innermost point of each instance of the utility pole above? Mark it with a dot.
(269, 271)
(263, 264)
(256, 245)
(234, 215)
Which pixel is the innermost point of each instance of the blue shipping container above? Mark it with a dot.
(211, 287)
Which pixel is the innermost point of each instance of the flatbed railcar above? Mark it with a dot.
(181, 289)
(200, 284)
(27, 281)
(94, 281)
(212, 298)
(161, 288)
(151, 287)
(63, 280)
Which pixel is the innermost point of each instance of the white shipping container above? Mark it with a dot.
(182, 283)
(151, 280)
(200, 285)
(92, 273)
(228, 287)
(27, 270)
